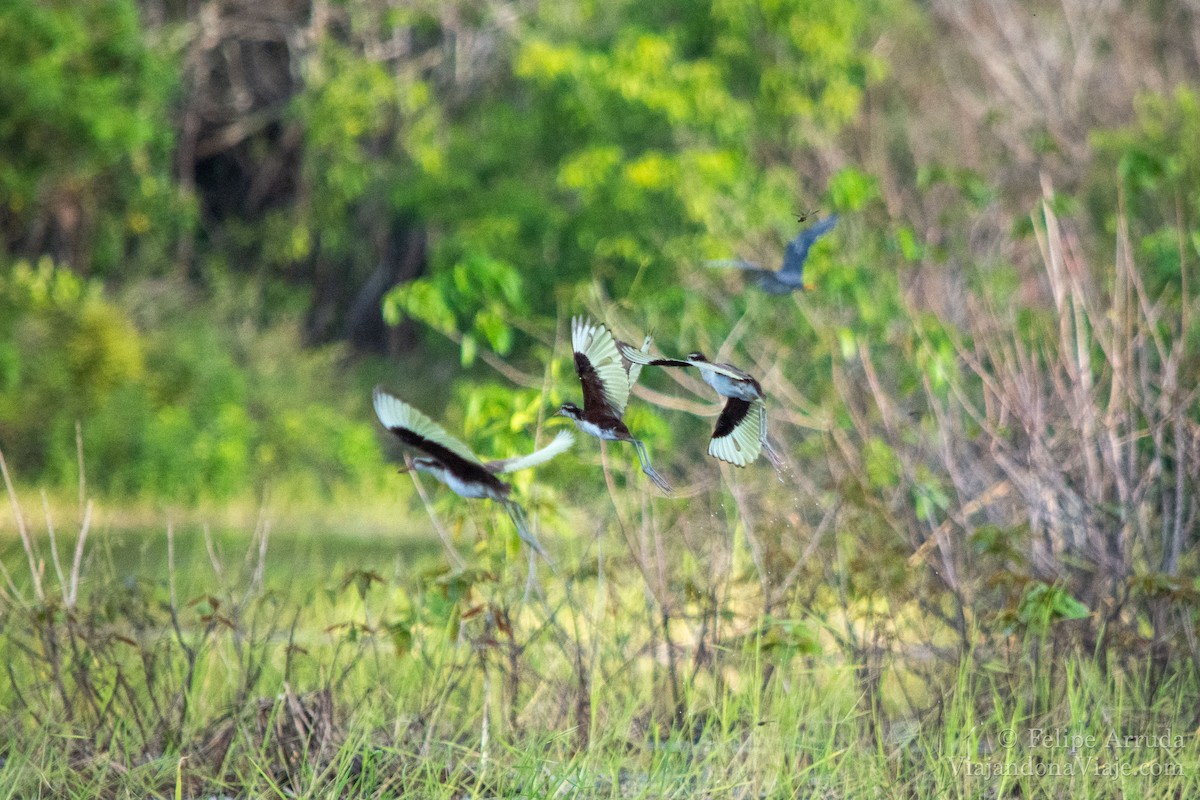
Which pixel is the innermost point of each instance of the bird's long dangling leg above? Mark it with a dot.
(517, 515)
(643, 457)
(771, 453)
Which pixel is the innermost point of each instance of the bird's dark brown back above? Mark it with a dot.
(467, 470)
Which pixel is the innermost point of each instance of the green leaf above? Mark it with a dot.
(497, 333)
(909, 247)
(468, 350)
(1042, 604)
(848, 344)
(851, 189)
(883, 468)
(422, 300)
(402, 638)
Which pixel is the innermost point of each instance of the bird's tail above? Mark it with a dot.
(560, 444)
(772, 454)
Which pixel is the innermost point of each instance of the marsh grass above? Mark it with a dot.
(382, 680)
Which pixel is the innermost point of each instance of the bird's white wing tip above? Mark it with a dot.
(581, 333)
(639, 357)
(387, 407)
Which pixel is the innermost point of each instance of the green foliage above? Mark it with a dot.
(786, 638)
(352, 109)
(476, 281)
(1156, 162)
(283, 685)
(64, 350)
(84, 126)
(998, 541)
(967, 182)
(1042, 604)
(930, 390)
(596, 159)
(882, 466)
(852, 189)
(189, 408)
(628, 144)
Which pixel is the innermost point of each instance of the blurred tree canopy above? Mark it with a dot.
(627, 144)
(87, 131)
(285, 176)
(310, 159)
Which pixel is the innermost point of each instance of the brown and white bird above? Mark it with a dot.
(450, 461)
(607, 379)
(741, 432)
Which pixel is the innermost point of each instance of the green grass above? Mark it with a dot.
(357, 667)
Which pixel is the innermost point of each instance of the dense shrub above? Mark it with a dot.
(190, 404)
(64, 351)
(85, 128)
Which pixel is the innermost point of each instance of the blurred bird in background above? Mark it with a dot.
(790, 276)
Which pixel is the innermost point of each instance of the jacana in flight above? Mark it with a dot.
(741, 432)
(790, 277)
(607, 379)
(452, 462)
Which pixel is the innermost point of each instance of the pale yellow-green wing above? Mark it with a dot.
(594, 342)
(633, 366)
(741, 429)
(415, 429)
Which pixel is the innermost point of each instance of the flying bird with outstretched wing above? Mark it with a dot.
(450, 461)
(790, 276)
(741, 431)
(607, 379)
